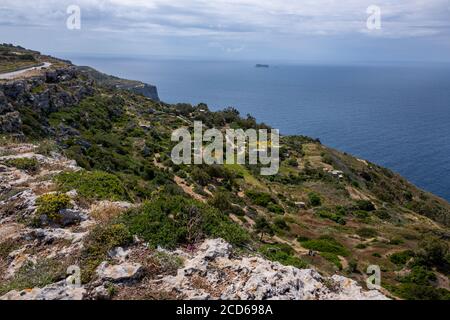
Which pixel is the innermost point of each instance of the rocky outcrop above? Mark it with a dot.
(144, 89)
(106, 80)
(57, 291)
(212, 273)
(48, 92)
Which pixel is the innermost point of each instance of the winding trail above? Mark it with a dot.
(14, 74)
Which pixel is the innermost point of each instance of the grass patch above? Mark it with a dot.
(40, 274)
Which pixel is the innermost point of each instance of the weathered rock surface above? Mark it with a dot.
(124, 272)
(211, 273)
(57, 291)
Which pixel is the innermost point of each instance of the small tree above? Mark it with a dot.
(262, 226)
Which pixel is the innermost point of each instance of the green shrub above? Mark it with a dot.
(170, 221)
(332, 258)
(367, 232)
(292, 162)
(282, 253)
(314, 199)
(419, 275)
(395, 241)
(302, 239)
(50, 205)
(97, 244)
(365, 205)
(326, 244)
(280, 223)
(30, 165)
(94, 185)
(376, 255)
(433, 252)
(263, 227)
(222, 201)
(200, 176)
(361, 246)
(412, 291)
(260, 198)
(352, 266)
(361, 214)
(327, 214)
(401, 258)
(275, 208)
(383, 214)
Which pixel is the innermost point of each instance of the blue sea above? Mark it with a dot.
(395, 116)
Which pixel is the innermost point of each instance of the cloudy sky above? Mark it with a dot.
(283, 30)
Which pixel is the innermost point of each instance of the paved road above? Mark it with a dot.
(14, 74)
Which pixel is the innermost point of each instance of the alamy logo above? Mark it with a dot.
(374, 19)
(73, 22)
(235, 147)
(374, 280)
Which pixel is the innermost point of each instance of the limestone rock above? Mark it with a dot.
(211, 273)
(124, 272)
(57, 291)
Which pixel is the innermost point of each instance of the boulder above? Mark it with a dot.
(124, 272)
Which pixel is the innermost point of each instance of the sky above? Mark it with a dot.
(319, 31)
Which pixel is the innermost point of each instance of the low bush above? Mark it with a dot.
(383, 214)
(314, 199)
(326, 244)
(401, 258)
(331, 257)
(262, 226)
(282, 253)
(328, 214)
(412, 291)
(94, 185)
(419, 275)
(365, 205)
(280, 223)
(169, 221)
(376, 255)
(30, 165)
(275, 208)
(367, 232)
(260, 198)
(50, 205)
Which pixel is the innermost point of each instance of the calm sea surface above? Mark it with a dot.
(398, 117)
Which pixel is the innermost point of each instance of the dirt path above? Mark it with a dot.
(188, 189)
